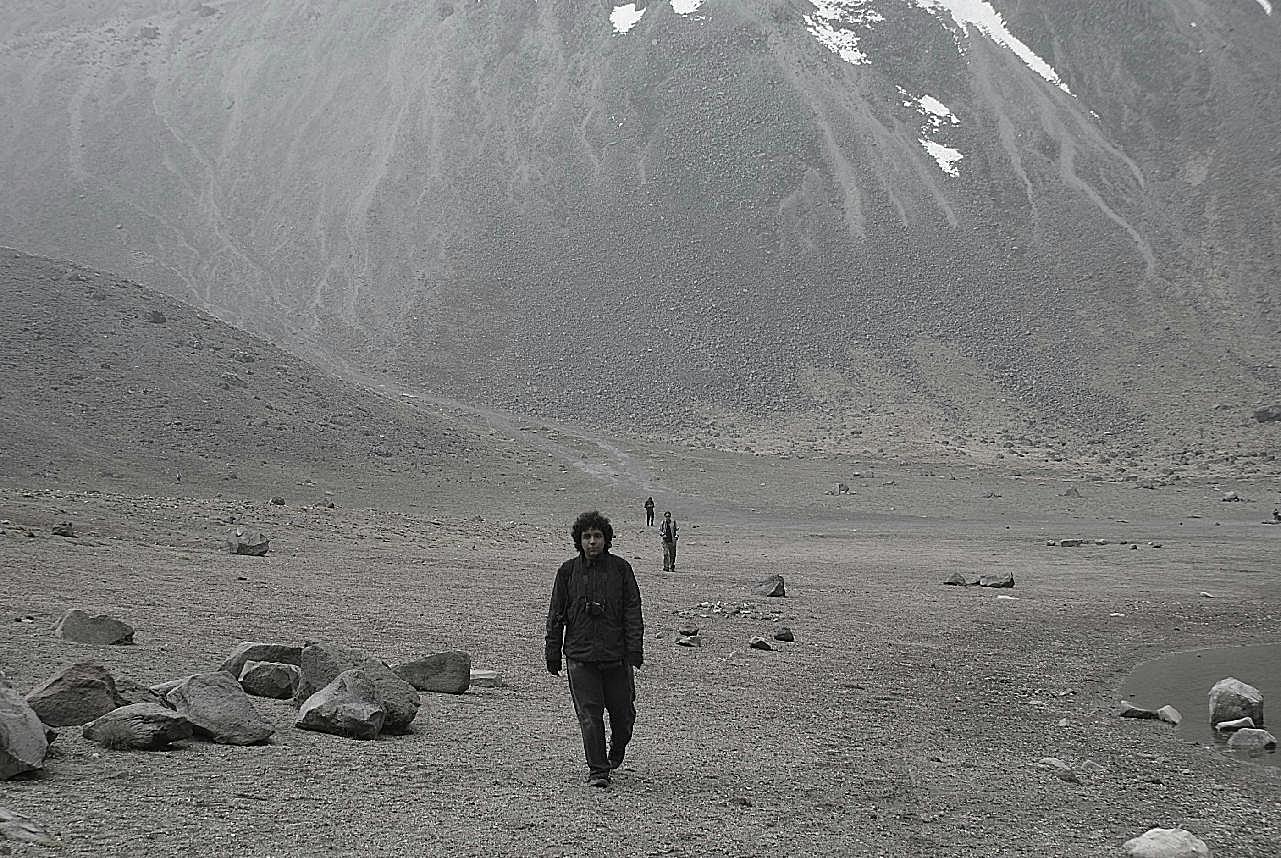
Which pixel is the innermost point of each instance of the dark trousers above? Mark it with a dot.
(597, 688)
(669, 556)
(649, 518)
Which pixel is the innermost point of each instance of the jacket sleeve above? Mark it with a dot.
(633, 622)
(556, 618)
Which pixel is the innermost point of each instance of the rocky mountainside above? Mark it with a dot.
(853, 219)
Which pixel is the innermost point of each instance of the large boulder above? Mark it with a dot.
(1251, 739)
(1005, 579)
(219, 710)
(1166, 843)
(23, 743)
(348, 706)
(447, 672)
(322, 662)
(244, 540)
(1231, 699)
(269, 679)
(771, 587)
(79, 627)
(136, 692)
(254, 651)
(76, 696)
(139, 727)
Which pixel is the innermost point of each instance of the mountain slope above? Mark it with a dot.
(915, 217)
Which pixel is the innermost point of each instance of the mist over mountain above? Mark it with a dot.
(866, 218)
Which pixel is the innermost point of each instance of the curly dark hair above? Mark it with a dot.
(592, 520)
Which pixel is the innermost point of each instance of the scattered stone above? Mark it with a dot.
(1169, 715)
(139, 727)
(16, 827)
(63, 528)
(77, 695)
(956, 579)
(1267, 413)
(1231, 497)
(1231, 698)
(243, 540)
(1059, 769)
(270, 679)
(761, 643)
(322, 662)
(1166, 843)
(1072, 493)
(486, 679)
(78, 627)
(253, 651)
(1071, 543)
(348, 706)
(23, 743)
(219, 709)
(690, 640)
(1129, 710)
(277, 500)
(1252, 739)
(784, 634)
(156, 317)
(1234, 724)
(687, 630)
(1205, 594)
(1003, 580)
(771, 587)
(444, 672)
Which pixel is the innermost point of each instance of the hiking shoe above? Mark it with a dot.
(598, 781)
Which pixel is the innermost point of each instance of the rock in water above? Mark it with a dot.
(77, 695)
(219, 710)
(1250, 739)
(348, 706)
(245, 540)
(322, 662)
(771, 587)
(1231, 699)
(269, 679)
(23, 743)
(1234, 724)
(446, 672)
(1169, 715)
(1129, 710)
(139, 727)
(254, 651)
(1166, 843)
(78, 626)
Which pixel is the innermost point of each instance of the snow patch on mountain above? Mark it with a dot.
(625, 17)
(934, 114)
(980, 15)
(1267, 7)
(833, 26)
(686, 7)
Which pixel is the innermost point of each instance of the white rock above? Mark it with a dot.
(1166, 843)
(1231, 698)
(1234, 724)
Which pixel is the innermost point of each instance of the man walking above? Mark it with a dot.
(649, 512)
(669, 534)
(595, 620)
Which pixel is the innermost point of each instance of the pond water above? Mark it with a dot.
(1183, 680)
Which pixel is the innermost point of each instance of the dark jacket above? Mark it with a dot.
(614, 632)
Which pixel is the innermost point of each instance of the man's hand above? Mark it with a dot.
(636, 659)
(553, 667)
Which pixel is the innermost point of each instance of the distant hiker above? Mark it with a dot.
(1276, 514)
(669, 534)
(595, 620)
(649, 512)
